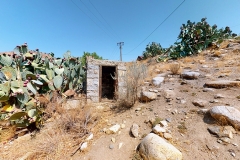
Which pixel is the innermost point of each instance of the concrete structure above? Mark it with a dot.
(105, 79)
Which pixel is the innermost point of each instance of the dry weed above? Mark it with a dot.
(133, 78)
(174, 68)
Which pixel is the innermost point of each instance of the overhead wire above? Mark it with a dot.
(156, 27)
(91, 18)
(104, 19)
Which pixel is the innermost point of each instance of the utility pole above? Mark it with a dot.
(120, 46)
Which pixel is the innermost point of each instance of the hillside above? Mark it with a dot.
(183, 100)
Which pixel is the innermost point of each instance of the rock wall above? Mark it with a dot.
(93, 77)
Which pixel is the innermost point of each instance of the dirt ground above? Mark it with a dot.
(195, 141)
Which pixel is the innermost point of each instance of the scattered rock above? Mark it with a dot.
(83, 146)
(113, 129)
(168, 120)
(135, 130)
(225, 140)
(123, 126)
(190, 75)
(169, 94)
(120, 145)
(154, 147)
(202, 111)
(157, 81)
(159, 130)
(111, 146)
(218, 96)
(113, 139)
(167, 136)
(163, 123)
(90, 137)
(214, 130)
(226, 114)
(200, 102)
(222, 84)
(208, 90)
(147, 96)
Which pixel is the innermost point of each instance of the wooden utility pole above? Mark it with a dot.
(120, 46)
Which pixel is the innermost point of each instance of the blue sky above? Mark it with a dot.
(98, 25)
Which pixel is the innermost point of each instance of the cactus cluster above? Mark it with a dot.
(25, 74)
(192, 39)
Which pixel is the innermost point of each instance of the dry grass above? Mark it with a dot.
(174, 68)
(59, 138)
(188, 59)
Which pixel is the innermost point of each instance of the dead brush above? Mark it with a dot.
(133, 78)
(174, 68)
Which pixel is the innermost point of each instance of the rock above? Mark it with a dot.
(205, 66)
(147, 96)
(113, 129)
(83, 146)
(138, 109)
(120, 145)
(214, 130)
(208, 90)
(230, 128)
(159, 130)
(123, 126)
(225, 139)
(222, 84)
(202, 111)
(167, 136)
(90, 137)
(168, 120)
(218, 96)
(162, 75)
(157, 81)
(226, 114)
(190, 75)
(169, 94)
(135, 130)
(153, 147)
(113, 139)
(163, 123)
(200, 103)
(111, 146)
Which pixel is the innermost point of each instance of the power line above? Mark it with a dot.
(95, 16)
(90, 18)
(104, 19)
(157, 27)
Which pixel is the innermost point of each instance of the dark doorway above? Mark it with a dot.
(108, 82)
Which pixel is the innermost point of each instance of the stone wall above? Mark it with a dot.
(93, 79)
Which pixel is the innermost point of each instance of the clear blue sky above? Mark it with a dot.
(59, 25)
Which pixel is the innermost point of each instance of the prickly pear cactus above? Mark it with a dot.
(5, 60)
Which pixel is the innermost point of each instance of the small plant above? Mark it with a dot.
(182, 127)
(174, 68)
(156, 121)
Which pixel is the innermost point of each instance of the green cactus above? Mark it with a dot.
(58, 80)
(9, 72)
(22, 99)
(6, 60)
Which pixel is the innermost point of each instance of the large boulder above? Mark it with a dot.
(154, 147)
(147, 96)
(226, 114)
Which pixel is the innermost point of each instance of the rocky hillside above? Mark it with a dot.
(189, 109)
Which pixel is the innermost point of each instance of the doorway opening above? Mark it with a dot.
(108, 82)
